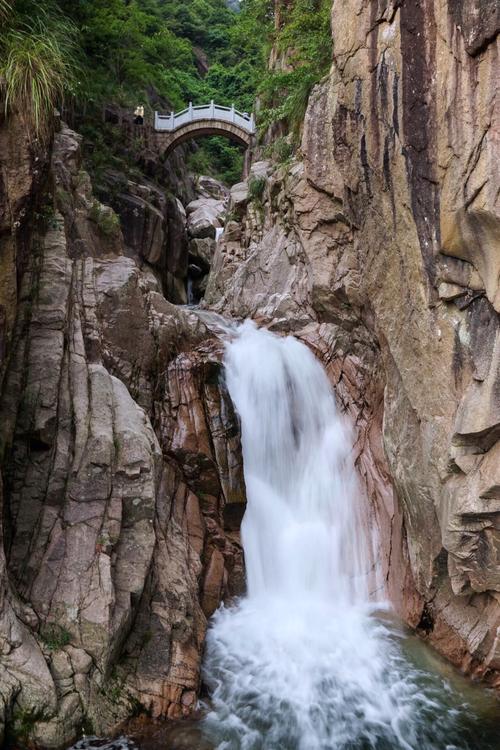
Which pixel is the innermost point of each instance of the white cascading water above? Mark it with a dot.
(302, 663)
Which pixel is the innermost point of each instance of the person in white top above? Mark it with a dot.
(139, 115)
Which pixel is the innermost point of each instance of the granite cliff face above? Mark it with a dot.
(381, 250)
(122, 472)
(122, 469)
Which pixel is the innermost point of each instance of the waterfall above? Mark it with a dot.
(302, 662)
(300, 532)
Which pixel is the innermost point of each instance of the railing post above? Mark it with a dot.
(232, 113)
(212, 110)
(190, 111)
(172, 120)
(156, 120)
(252, 123)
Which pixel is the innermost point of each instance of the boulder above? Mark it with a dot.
(204, 215)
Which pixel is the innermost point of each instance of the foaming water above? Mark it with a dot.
(303, 663)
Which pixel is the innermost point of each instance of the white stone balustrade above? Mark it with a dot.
(212, 111)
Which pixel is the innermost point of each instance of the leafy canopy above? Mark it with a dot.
(303, 42)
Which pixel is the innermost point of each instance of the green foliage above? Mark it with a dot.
(87, 726)
(46, 215)
(281, 151)
(305, 40)
(163, 54)
(24, 723)
(37, 62)
(149, 51)
(105, 218)
(256, 187)
(55, 636)
(5, 9)
(217, 157)
(133, 48)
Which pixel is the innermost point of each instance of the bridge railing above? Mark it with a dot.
(211, 111)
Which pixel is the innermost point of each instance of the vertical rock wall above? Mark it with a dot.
(121, 472)
(381, 249)
(409, 147)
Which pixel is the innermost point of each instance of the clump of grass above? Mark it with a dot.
(38, 67)
(281, 150)
(256, 187)
(105, 218)
(5, 9)
(25, 720)
(55, 636)
(47, 216)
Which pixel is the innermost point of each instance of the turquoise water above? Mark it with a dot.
(465, 716)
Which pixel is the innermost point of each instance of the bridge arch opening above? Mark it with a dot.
(197, 124)
(199, 133)
(207, 119)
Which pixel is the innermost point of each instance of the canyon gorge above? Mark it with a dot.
(376, 245)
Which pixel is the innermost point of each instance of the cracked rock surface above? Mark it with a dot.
(380, 247)
(120, 454)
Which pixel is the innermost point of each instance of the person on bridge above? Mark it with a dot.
(139, 115)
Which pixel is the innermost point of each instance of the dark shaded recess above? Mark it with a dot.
(478, 21)
(233, 515)
(2, 333)
(418, 41)
(364, 163)
(441, 564)
(389, 142)
(375, 14)
(458, 358)
(176, 259)
(348, 126)
(426, 622)
(483, 323)
(395, 103)
(358, 97)
(383, 77)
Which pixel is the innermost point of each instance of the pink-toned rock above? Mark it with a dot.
(122, 452)
(381, 250)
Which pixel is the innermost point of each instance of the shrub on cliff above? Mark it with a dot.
(304, 46)
(37, 62)
(256, 187)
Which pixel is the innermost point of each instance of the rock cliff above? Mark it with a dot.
(122, 473)
(380, 248)
(122, 469)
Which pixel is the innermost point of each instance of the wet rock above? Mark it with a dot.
(380, 249)
(201, 251)
(204, 216)
(99, 743)
(209, 187)
(112, 410)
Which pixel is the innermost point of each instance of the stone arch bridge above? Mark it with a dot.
(208, 119)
